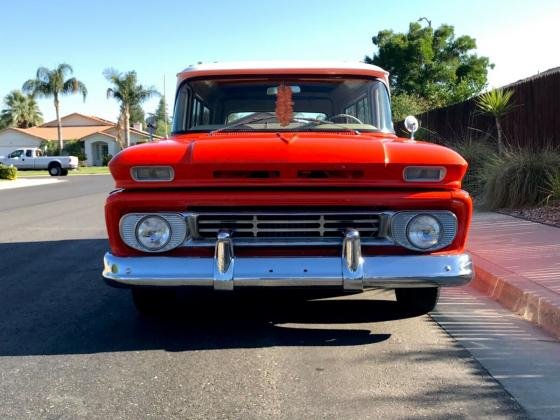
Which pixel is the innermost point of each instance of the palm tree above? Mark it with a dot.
(128, 93)
(55, 83)
(21, 111)
(496, 103)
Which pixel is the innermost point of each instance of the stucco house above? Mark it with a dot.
(98, 135)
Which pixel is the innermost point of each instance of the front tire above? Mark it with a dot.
(419, 300)
(64, 172)
(152, 301)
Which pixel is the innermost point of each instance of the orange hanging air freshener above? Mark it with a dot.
(284, 105)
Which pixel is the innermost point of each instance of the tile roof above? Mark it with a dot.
(68, 133)
(48, 131)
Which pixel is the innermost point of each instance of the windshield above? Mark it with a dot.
(281, 104)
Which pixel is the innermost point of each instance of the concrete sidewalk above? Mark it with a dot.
(517, 263)
(28, 182)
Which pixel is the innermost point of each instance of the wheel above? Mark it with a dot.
(64, 172)
(347, 116)
(152, 301)
(420, 300)
(55, 169)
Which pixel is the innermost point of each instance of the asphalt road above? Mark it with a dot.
(72, 347)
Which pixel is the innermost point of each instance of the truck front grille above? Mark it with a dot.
(286, 224)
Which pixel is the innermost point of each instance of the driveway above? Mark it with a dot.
(72, 347)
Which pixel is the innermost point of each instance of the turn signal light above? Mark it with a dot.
(424, 173)
(152, 173)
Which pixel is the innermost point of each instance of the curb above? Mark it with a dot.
(531, 301)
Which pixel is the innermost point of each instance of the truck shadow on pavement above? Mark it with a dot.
(54, 301)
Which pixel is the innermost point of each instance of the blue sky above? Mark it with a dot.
(158, 38)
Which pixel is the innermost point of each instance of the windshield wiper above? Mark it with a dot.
(316, 122)
(310, 122)
(244, 121)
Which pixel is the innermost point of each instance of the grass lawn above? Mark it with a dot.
(86, 170)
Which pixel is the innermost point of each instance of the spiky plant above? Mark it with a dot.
(477, 153)
(20, 111)
(128, 93)
(519, 178)
(54, 84)
(497, 103)
(553, 189)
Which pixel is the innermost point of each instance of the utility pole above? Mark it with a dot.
(164, 107)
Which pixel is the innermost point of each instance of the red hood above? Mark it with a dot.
(288, 159)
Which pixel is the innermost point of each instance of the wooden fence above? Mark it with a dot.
(533, 123)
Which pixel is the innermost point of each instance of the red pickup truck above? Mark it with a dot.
(287, 175)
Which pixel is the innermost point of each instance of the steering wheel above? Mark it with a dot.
(332, 117)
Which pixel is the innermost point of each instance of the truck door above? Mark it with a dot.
(27, 159)
(14, 158)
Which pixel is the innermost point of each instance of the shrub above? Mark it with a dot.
(519, 178)
(71, 148)
(553, 189)
(8, 172)
(106, 159)
(477, 153)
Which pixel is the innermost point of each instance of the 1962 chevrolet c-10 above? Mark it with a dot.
(287, 175)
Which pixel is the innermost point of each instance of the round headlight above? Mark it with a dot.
(153, 232)
(423, 231)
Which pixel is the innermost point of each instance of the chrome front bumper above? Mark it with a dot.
(350, 271)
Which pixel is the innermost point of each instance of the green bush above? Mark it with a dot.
(71, 148)
(8, 172)
(107, 159)
(520, 178)
(553, 189)
(477, 153)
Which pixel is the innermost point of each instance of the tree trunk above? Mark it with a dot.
(127, 126)
(500, 141)
(58, 125)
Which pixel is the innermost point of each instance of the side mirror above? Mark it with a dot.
(411, 124)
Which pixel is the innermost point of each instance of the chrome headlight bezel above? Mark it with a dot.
(447, 221)
(129, 224)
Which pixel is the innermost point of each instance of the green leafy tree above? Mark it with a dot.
(20, 111)
(54, 84)
(430, 63)
(128, 93)
(162, 119)
(404, 104)
(497, 103)
(136, 114)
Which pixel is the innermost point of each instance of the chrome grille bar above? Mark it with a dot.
(283, 224)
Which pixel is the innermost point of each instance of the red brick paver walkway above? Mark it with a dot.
(529, 249)
(517, 263)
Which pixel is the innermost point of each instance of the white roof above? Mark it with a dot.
(287, 64)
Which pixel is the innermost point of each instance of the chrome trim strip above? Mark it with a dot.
(378, 271)
(283, 242)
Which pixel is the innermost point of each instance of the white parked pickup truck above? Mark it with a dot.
(33, 158)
